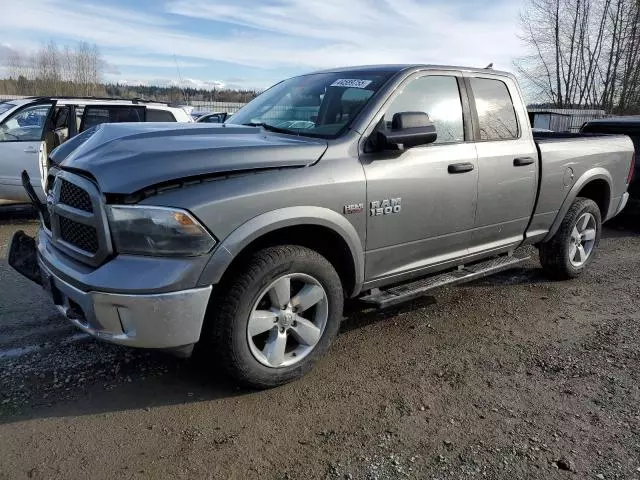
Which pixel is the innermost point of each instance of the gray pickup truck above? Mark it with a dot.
(244, 239)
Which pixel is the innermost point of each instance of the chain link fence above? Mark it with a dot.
(208, 107)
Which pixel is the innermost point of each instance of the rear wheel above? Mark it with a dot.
(573, 246)
(275, 317)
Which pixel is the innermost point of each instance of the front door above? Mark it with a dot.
(23, 137)
(422, 201)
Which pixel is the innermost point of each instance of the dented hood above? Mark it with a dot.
(126, 157)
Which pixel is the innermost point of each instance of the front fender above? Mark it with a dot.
(589, 176)
(274, 220)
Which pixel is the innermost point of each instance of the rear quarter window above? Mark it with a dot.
(160, 116)
(93, 116)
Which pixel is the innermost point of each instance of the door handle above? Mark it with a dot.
(30, 150)
(460, 168)
(523, 161)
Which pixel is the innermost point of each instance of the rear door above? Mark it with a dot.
(97, 114)
(507, 163)
(26, 136)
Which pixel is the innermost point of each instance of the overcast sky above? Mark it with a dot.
(256, 43)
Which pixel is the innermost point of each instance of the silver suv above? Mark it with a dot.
(31, 128)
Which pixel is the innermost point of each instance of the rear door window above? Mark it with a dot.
(496, 115)
(97, 114)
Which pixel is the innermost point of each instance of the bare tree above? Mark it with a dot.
(67, 62)
(15, 65)
(81, 66)
(629, 96)
(51, 71)
(582, 52)
(88, 66)
(47, 66)
(20, 68)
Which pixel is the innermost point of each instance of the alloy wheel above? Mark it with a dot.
(583, 239)
(288, 320)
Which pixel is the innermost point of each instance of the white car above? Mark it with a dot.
(31, 128)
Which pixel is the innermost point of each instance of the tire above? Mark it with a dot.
(556, 254)
(226, 335)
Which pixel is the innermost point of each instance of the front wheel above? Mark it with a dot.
(275, 317)
(573, 246)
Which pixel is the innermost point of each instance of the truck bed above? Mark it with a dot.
(564, 158)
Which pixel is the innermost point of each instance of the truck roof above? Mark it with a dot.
(412, 66)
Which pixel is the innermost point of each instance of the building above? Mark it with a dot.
(562, 119)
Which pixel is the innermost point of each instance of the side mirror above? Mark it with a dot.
(409, 129)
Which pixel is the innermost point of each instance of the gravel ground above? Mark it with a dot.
(510, 377)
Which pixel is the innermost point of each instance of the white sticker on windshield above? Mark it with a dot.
(351, 83)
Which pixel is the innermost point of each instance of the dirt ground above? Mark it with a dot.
(510, 377)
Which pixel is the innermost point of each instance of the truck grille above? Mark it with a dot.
(82, 236)
(74, 196)
(77, 218)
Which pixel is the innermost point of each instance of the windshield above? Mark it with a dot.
(317, 105)
(6, 106)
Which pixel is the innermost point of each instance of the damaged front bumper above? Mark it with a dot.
(167, 320)
(23, 256)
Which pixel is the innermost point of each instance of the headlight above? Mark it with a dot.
(142, 230)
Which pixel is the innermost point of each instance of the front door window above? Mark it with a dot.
(26, 125)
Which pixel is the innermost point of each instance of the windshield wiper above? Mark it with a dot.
(270, 128)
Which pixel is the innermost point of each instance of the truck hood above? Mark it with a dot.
(126, 157)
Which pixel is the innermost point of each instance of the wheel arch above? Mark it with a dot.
(595, 184)
(599, 191)
(318, 228)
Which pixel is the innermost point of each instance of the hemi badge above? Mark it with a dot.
(353, 208)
